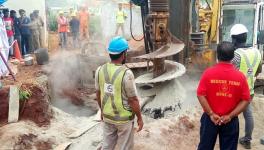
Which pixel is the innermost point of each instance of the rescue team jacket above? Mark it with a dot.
(110, 84)
(250, 60)
(120, 16)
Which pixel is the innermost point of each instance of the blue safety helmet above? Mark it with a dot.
(2, 1)
(118, 45)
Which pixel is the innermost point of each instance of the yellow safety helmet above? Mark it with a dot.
(61, 12)
(73, 14)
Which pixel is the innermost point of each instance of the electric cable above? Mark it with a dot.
(131, 21)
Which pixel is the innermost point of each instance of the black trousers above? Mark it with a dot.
(25, 41)
(228, 134)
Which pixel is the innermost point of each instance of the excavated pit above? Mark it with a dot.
(72, 86)
(35, 109)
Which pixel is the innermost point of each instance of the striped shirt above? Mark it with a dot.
(236, 60)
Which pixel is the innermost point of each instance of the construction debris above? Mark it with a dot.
(84, 129)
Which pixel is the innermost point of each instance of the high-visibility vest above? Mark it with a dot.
(120, 16)
(110, 84)
(250, 60)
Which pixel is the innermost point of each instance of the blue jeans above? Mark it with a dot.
(25, 39)
(10, 41)
(249, 123)
(228, 134)
(75, 39)
(63, 39)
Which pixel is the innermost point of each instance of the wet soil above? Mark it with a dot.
(4, 105)
(28, 141)
(35, 109)
(77, 95)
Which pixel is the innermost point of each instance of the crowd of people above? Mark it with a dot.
(21, 34)
(75, 23)
(26, 31)
(78, 25)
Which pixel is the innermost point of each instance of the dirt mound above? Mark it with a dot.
(25, 74)
(4, 105)
(169, 134)
(35, 109)
(25, 141)
(77, 95)
(30, 141)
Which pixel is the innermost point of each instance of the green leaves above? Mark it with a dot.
(24, 94)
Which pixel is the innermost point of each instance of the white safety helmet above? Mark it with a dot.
(238, 29)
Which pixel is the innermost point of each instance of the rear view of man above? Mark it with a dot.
(248, 61)
(40, 27)
(34, 28)
(84, 23)
(223, 93)
(117, 98)
(75, 30)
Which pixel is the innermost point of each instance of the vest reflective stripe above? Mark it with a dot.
(118, 118)
(120, 16)
(112, 103)
(250, 60)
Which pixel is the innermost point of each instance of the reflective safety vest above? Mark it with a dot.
(250, 60)
(110, 84)
(120, 16)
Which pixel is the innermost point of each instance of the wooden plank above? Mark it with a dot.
(63, 146)
(83, 130)
(97, 117)
(13, 113)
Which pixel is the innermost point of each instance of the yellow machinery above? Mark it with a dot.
(207, 37)
(209, 20)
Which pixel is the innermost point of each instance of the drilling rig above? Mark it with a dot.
(160, 47)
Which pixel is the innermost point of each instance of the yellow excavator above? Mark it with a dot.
(205, 37)
(216, 17)
(208, 19)
(247, 12)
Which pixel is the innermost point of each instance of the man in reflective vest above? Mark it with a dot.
(120, 19)
(247, 60)
(117, 97)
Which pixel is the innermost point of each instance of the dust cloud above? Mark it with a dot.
(65, 75)
(107, 10)
(187, 88)
(102, 19)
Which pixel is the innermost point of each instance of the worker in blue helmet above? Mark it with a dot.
(117, 98)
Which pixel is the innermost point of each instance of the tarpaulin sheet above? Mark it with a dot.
(2, 1)
(4, 47)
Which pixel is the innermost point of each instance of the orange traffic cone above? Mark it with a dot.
(17, 53)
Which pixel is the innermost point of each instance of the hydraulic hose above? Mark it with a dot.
(131, 21)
